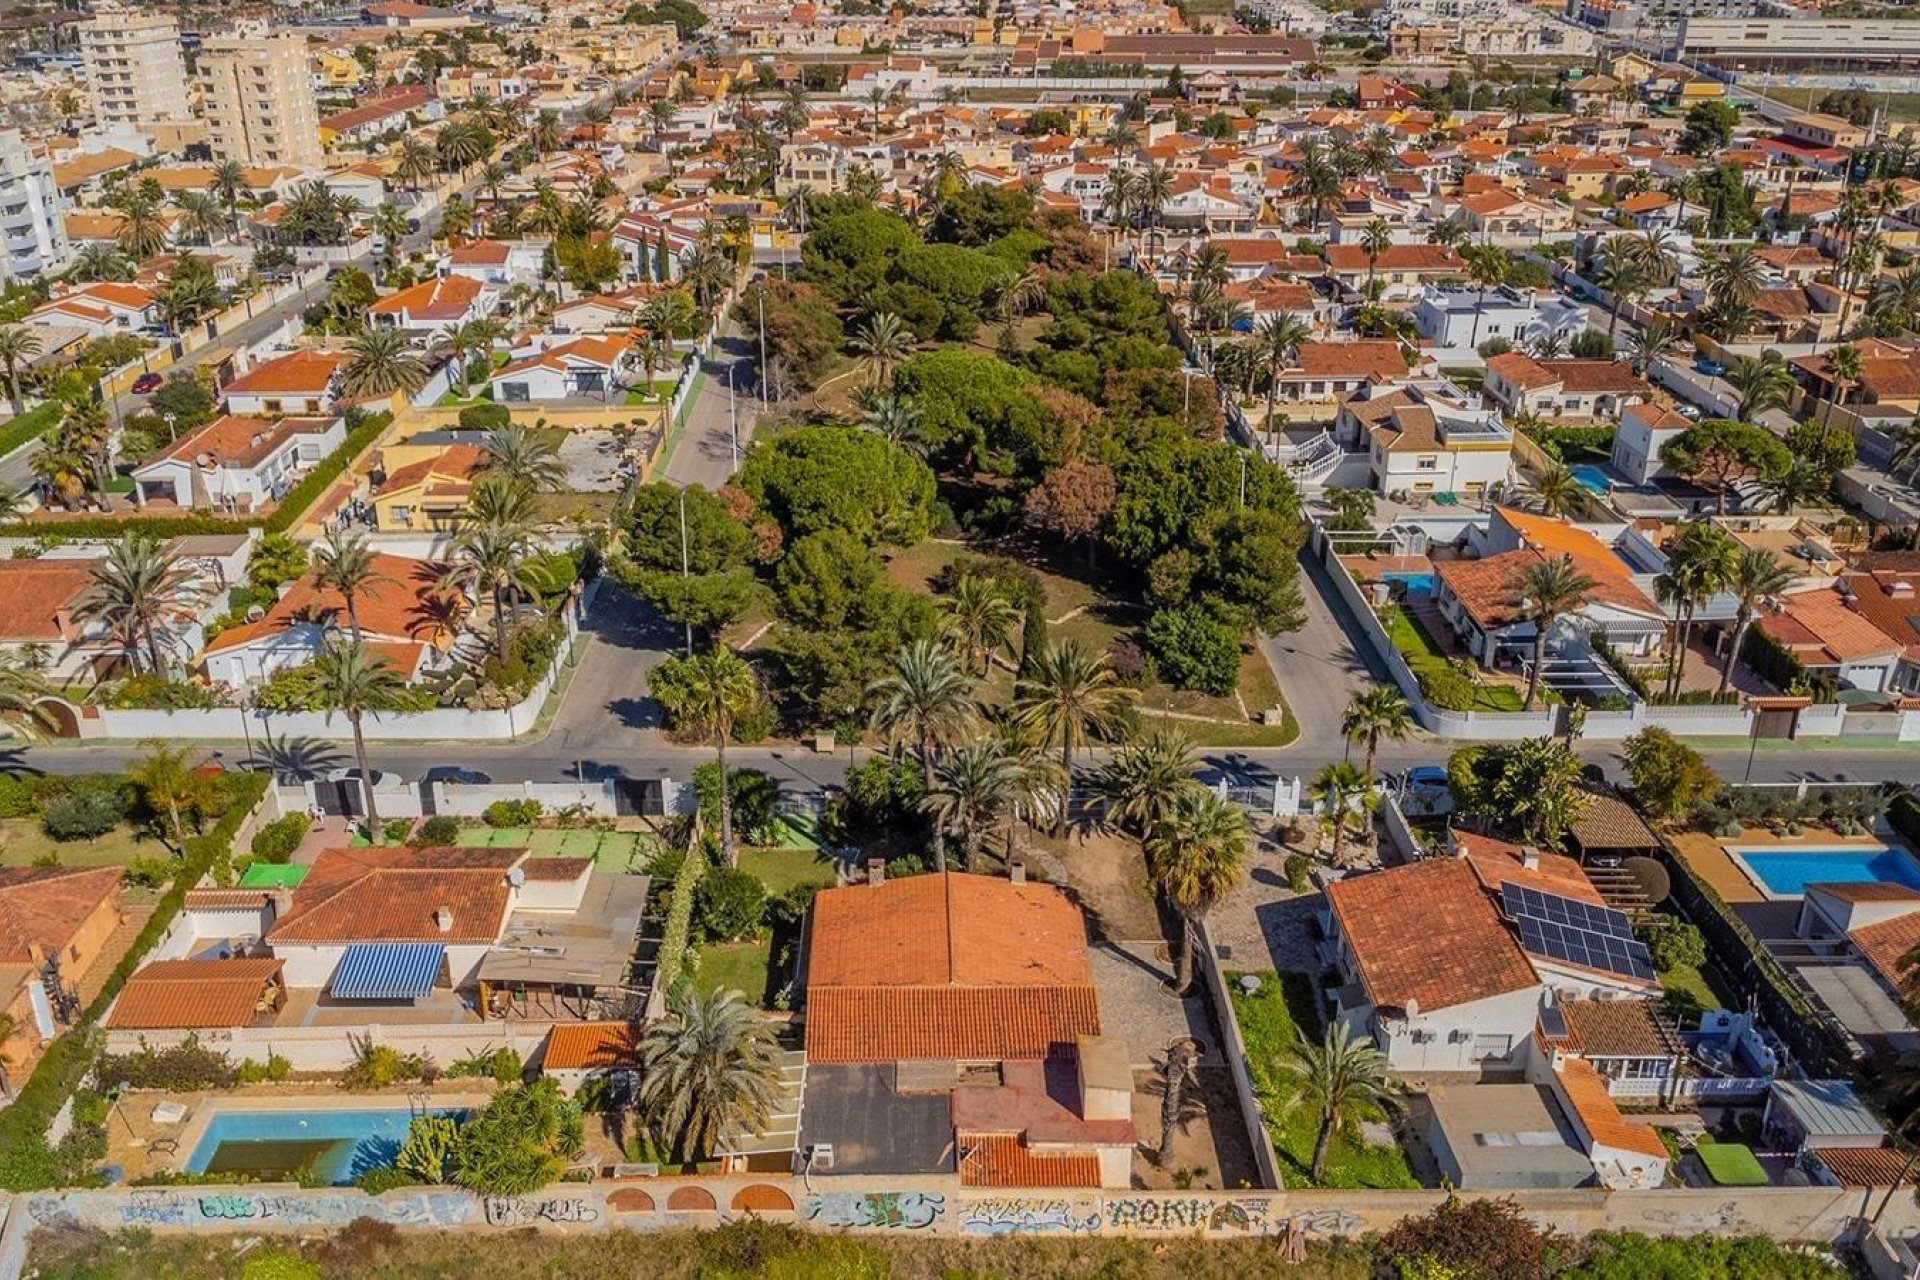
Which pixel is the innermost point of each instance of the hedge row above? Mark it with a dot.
(1903, 815)
(26, 1162)
(291, 511)
(30, 425)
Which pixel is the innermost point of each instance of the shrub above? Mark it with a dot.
(502, 1065)
(788, 909)
(148, 873)
(485, 417)
(275, 1265)
(1670, 779)
(1299, 872)
(20, 795)
(275, 1068)
(378, 1066)
(395, 830)
(385, 1178)
(151, 692)
(87, 810)
(728, 904)
(755, 796)
(1469, 1238)
(1673, 944)
(179, 1068)
(1129, 662)
(441, 829)
(511, 813)
(276, 841)
(1195, 650)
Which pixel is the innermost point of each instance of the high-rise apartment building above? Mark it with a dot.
(134, 69)
(33, 234)
(258, 96)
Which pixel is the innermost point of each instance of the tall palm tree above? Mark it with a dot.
(1375, 238)
(710, 1066)
(881, 342)
(143, 228)
(18, 346)
(1757, 574)
(1343, 1080)
(1904, 460)
(973, 787)
(491, 550)
(1649, 342)
(381, 361)
(1624, 276)
(1018, 290)
(1137, 786)
(168, 781)
(1276, 340)
(389, 223)
(202, 216)
(927, 699)
(1375, 713)
(1339, 788)
(1762, 383)
(230, 183)
(97, 261)
(1196, 855)
(1700, 561)
(1067, 694)
(979, 620)
(354, 681)
(416, 162)
(347, 564)
(1487, 266)
(136, 588)
(708, 693)
(1549, 589)
(521, 457)
(1734, 276)
(1844, 367)
(1557, 492)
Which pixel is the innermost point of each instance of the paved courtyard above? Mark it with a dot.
(592, 460)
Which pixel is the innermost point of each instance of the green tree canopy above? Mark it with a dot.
(818, 478)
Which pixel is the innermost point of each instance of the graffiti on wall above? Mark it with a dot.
(1246, 1215)
(537, 1211)
(1030, 1215)
(1326, 1222)
(894, 1210)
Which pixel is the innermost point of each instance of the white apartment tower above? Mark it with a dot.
(33, 235)
(258, 95)
(134, 70)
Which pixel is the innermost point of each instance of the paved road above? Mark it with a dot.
(706, 449)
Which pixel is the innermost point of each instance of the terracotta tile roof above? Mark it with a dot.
(1496, 862)
(393, 606)
(1870, 891)
(1823, 622)
(33, 591)
(1868, 1166)
(225, 899)
(1379, 361)
(1486, 586)
(1891, 601)
(1428, 934)
(1885, 945)
(1521, 370)
(193, 994)
(1596, 377)
(480, 253)
(296, 373)
(1600, 1116)
(581, 1046)
(1430, 259)
(398, 103)
(456, 462)
(41, 908)
(436, 299)
(1002, 1160)
(556, 869)
(946, 966)
(1608, 822)
(391, 895)
(1621, 1029)
(241, 443)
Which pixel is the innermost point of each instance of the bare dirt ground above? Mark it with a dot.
(1107, 873)
(1210, 1147)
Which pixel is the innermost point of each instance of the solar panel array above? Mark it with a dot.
(1576, 932)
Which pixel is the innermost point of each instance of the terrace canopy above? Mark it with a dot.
(387, 971)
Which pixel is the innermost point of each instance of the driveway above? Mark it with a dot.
(1321, 666)
(703, 452)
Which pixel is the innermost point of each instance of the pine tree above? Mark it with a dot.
(662, 268)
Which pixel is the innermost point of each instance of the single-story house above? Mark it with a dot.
(237, 465)
(299, 382)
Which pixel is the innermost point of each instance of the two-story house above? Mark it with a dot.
(237, 465)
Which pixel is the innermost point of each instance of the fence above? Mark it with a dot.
(1234, 1048)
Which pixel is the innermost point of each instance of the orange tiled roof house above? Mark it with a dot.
(953, 1027)
(55, 924)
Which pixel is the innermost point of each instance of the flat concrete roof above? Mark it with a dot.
(874, 1129)
(1506, 1137)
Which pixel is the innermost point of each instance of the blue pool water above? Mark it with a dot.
(1787, 872)
(340, 1145)
(1417, 584)
(1592, 478)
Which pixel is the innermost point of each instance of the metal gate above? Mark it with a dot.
(339, 797)
(639, 797)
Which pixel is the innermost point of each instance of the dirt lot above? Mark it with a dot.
(1107, 873)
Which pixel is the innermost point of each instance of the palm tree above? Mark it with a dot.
(1487, 266)
(547, 132)
(1276, 340)
(523, 458)
(491, 549)
(882, 342)
(1018, 290)
(1376, 238)
(1762, 383)
(1196, 855)
(1557, 492)
(1757, 574)
(711, 1066)
(97, 261)
(381, 361)
(136, 588)
(18, 346)
(167, 779)
(1068, 694)
(979, 620)
(416, 162)
(1844, 367)
(1700, 562)
(974, 785)
(895, 419)
(1734, 276)
(1343, 1079)
(143, 228)
(229, 181)
(1649, 342)
(1339, 788)
(353, 681)
(708, 693)
(1138, 784)
(926, 698)
(1624, 277)
(1548, 589)
(1376, 713)
(202, 216)
(347, 564)
(390, 224)
(1904, 460)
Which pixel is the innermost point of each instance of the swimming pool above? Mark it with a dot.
(340, 1145)
(1786, 872)
(1417, 584)
(1592, 478)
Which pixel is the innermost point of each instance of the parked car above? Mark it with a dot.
(146, 383)
(1689, 411)
(1711, 368)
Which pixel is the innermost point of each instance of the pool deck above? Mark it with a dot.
(1767, 917)
(196, 1127)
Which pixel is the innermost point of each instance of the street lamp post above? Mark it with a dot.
(733, 419)
(685, 572)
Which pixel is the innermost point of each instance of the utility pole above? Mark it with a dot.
(763, 346)
(685, 572)
(733, 418)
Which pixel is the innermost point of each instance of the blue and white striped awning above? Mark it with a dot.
(386, 971)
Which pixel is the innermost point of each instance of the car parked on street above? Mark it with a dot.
(146, 383)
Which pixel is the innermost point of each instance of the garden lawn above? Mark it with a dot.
(736, 966)
(23, 843)
(1690, 991)
(556, 508)
(782, 869)
(1268, 1020)
(1423, 655)
(611, 851)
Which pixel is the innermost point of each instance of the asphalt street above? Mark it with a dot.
(720, 420)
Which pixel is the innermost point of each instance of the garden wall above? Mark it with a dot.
(1234, 1049)
(330, 1049)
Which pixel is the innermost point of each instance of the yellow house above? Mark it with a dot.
(1632, 68)
(337, 71)
(426, 486)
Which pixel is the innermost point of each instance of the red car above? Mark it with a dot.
(146, 382)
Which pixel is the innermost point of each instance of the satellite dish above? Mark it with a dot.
(255, 613)
(1652, 879)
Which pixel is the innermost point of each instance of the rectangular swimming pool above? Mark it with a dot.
(1592, 478)
(1786, 872)
(1418, 585)
(340, 1145)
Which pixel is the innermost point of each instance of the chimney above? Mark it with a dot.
(443, 919)
(876, 871)
(1530, 859)
(1017, 871)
